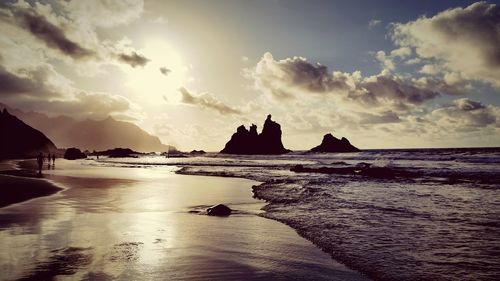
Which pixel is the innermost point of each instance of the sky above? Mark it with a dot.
(384, 74)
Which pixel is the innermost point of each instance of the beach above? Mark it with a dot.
(136, 223)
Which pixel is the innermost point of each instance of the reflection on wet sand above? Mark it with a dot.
(138, 227)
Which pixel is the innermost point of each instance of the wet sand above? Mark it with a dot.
(137, 224)
(22, 185)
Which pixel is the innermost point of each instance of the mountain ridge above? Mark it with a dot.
(89, 134)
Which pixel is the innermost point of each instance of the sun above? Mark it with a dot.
(162, 76)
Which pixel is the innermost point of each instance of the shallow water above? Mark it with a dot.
(428, 214)
(135, 224)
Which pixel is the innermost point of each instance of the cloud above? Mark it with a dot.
(96, 105)
(413, 61)
(50, 34)
(13, 84)
(402, 52)
(461, 40)
(467, 104)
(386, 61)
(374, 23)
(165, 71)
(381, 90)
(105, 13)
(383, 118)
(133, 59)
(296, 78)
(207, 101)
(43, 89)
(284, 78)
(466, 113)
(61, 30)
(80, 105)
(450, 84)
(41, 81)
(430, 69)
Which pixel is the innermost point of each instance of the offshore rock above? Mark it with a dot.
(332, 144)
(74, 153)
(249, 142)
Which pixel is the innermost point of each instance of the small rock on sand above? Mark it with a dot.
(219, 210)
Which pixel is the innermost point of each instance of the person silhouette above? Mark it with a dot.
(53, 158)
(39, 160)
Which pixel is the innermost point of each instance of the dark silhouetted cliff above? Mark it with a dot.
(18, 140)
(332, 144)
(249, 142)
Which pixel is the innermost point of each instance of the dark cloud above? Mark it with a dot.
(467, 104)
(52, 35)
(13, 84)
(207, 101)
(468, 113)
(285, 77)
(33, 82)
(165, 71)
(314, 78)
(133, 59)
(378, 89)
(295, 77)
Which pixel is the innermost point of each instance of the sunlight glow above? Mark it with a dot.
(162, 76)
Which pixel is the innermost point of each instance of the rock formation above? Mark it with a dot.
(249, 142)
(332, 144)
(119, 152)
(74, 153)
(18, 140)
(219, 210)
(197, 152)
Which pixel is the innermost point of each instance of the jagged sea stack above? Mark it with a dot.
(332, 144)
(249, 142)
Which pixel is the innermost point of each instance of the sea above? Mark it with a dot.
(398, 214)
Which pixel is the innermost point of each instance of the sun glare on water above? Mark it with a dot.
(162, 76)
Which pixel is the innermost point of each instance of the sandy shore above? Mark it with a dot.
(22, 185)
(137, 224)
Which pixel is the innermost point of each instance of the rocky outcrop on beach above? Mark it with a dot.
(220, 210)
(332, 144)
(19, 140)
(119, 152)
(250, 142)
(74, 153)
(197, 152)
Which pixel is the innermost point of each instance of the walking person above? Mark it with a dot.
(39, 160)
(53, 159)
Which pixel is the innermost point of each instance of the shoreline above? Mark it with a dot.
(147, 215)
(265, 214)
(21, 185)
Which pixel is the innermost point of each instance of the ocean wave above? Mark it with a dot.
(393, 215)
